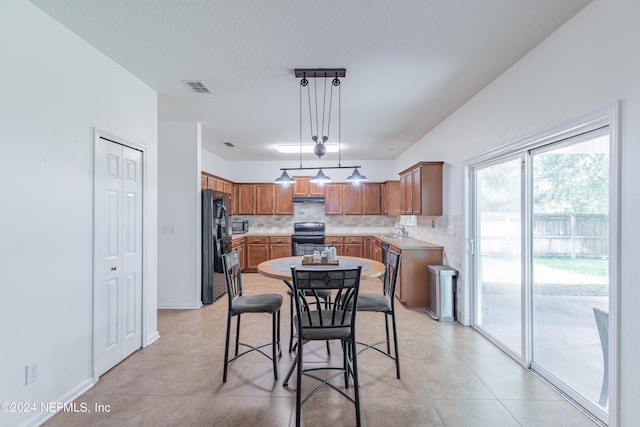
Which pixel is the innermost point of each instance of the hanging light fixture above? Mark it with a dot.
(321, 179)
(356, 178)
(285, 180)
(320, 129)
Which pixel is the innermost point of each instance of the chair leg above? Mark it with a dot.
(226, 349)
(238, 334)
(356, 383)
(300, 345)
(386, 328)
(291, 309)
(395, 343)
(274, 343)
(345, 363)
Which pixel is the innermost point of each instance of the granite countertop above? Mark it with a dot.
(400, 243)
(408, 243)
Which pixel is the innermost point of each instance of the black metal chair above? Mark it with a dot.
(602, 322)
(240, 304)
(385, 303)
(332, 322)
(300, 249)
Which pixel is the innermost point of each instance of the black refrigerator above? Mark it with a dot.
(216, 241)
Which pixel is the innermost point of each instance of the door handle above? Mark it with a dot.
(473, 246)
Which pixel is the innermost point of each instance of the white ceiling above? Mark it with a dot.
(410, 63)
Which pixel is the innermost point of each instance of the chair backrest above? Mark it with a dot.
(602, 322)
(392, 265)
(232, 277)
(300, 249)
(306, 283)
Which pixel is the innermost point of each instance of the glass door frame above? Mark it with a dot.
(523, 357)
(606, 117)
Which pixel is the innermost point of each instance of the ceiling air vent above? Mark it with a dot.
(196, 86)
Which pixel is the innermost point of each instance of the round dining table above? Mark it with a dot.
(280, 268)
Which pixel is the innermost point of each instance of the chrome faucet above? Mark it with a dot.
(403, 231)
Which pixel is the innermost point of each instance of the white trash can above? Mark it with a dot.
(441, 292)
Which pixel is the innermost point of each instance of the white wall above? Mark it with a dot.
(584, 66)
(214, 164)
(179, 215)
(54, 89)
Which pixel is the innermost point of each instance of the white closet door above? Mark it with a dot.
(118, 253)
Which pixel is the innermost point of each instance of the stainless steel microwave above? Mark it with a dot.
(239, 226)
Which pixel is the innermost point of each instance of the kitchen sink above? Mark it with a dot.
(392, 236)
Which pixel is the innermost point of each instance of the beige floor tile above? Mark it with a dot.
(564, 414)
(480, 413)
(450, 376)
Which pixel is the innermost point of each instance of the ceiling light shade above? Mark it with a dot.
(285, 180)
(331, 147)
(320, 178)
(356, 178)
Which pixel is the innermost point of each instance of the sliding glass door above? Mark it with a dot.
(571, 264)
(499, 253)
(540, 257)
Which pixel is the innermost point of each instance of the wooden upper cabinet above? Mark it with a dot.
(246, 199)
(421, 189)
(303, 187)
(352, 199)
(416, 182)
(390, 198)
(406, 194)
(265, 199)
(234, 200)
(371, 199)
(211, 183)
(284, 200)
(333, 194)
(203, 181)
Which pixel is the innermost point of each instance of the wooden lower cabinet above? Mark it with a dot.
(413, 278)
(263, 248)
(377, 250)
(337, 241)
(279, 247)
(353, 246)
(241, 245)
(257, 252)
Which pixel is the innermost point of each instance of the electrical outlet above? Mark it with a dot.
(32, 372)
(451, 230)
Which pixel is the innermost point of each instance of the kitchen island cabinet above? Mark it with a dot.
(412, 288)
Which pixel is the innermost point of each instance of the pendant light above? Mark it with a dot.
(320, 129)
(356, 178)
(285, 180)
(321, 179)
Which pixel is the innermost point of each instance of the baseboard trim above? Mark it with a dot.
(40, 417)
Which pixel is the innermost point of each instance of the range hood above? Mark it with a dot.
(308, 199)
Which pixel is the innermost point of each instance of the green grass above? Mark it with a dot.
(588, 266)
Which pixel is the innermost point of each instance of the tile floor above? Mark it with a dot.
(451, 376)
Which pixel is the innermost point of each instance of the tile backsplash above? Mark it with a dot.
(335, 224)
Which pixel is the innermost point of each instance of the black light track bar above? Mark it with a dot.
(312, 73)
(320, 167)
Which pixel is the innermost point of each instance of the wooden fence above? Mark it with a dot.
(575, 236)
